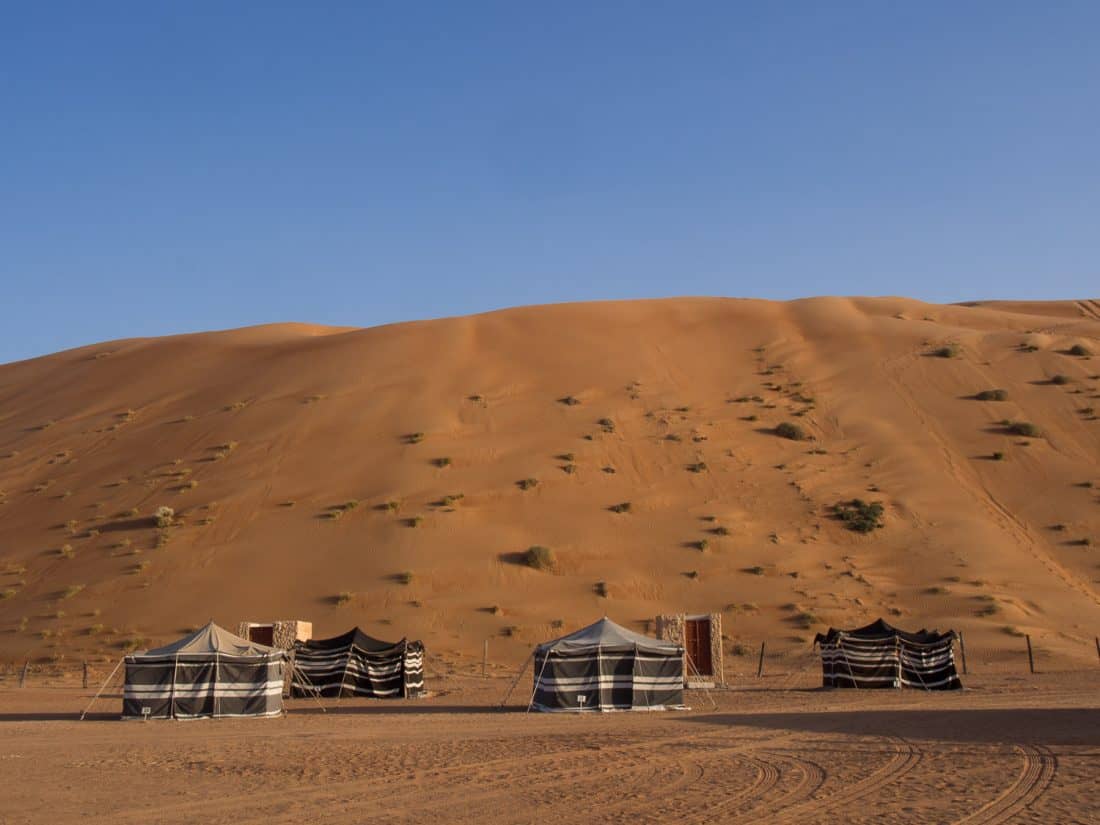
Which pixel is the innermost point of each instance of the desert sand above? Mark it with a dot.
(308, 468)
(1008, 749)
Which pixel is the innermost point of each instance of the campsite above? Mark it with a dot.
(499, 413)
(1012, 747)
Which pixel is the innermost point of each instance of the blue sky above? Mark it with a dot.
(176, 167)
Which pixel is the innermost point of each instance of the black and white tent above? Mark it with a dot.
(210, 673)
(355, 664)
(881, 656)
(605, 667)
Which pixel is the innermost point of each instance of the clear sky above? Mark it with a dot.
(168, 167)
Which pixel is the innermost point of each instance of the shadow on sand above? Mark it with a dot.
(1050, 726)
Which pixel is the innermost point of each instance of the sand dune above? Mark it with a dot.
(253, 436)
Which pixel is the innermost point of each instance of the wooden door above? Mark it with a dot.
(697, 645)
(263, 634)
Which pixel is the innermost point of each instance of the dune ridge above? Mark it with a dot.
(373, 476)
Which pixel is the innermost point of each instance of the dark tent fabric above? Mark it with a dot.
(605, 667)
(882, 656)
(210, 673)
(355, 664)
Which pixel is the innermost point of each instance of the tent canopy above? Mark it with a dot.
(356, 637)
(880, 629)
(210, 640)
(608, 636)
(208, 673)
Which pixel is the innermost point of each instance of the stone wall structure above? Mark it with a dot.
(283, 636)
(670, 627)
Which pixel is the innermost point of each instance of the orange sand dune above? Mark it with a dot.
(253, 435)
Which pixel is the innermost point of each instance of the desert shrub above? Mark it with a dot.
(557, 624)
(288, 503)
(404, 577)
(790, 431)
(692, 574)
(755, 570)
(805, 620)
(66, 551)
(164, 516)
(1079, 350)
(998, 456)
(622, 507)
(992, 395)
(600, 589)
(1060, 380)
(7, 594)
(527, 483)
(607, 425)
(1023, 428)
(538, 557)
(672, 437)
(702, 545)
(569, 401)
(569, 468)
(721, 531)
(415, 521)
(946, 351)
(448, 500)
(71, 591)
(444, 461)
(343, 598)
(698, 467)
(937, 590)
(739, 649)
(859, 515)
(566, 457)
(414, 438)
(608, 469)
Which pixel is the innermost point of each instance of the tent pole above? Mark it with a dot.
(515, 681)
(705, 690)
(538, 680)
(294, 669)
(101, 687)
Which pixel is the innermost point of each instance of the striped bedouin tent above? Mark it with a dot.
(881, 656)
(210, 673)
(605, 667)
(355, 664)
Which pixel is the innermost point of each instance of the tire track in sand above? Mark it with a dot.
(1036, 774)
(904, 758)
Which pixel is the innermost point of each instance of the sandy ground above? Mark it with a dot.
(1008, 749)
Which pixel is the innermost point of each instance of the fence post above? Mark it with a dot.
(1030, 657)
(484, 658)
(85, 674)
(760, 666)
(23, 675)
(962, 649)
(1098, 647)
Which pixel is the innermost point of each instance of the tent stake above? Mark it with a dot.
(85, 674)
(1030, 658)
(23, 675)
(101, 687)
(760, 666)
